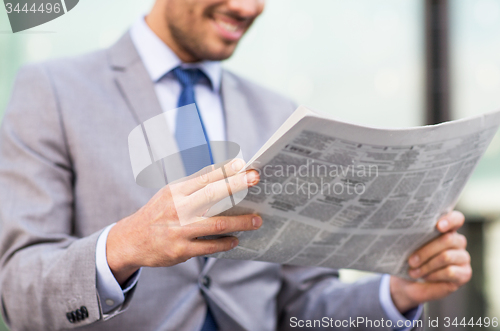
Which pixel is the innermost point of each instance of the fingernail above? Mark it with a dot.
(415, 273)
(414, 260)
(237, 165)
(443, 225)
(234, 243)
(251, 177)
(256, 221)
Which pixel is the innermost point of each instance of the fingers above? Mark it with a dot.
(450, 240)
(200, 247)
(451, 222)
(440, 261)
(212, 193)
(224, 224)
(209, 175)
(455, 274)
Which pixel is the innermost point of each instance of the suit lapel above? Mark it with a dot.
(240, 122)
(133, 81)
(137, 89)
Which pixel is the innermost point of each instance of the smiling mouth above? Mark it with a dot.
(230, 28)
(227, 26)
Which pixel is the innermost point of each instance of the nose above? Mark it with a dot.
(246, 8)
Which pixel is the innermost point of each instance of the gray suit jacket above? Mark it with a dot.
(65, 174)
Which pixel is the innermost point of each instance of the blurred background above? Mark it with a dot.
(389, 63)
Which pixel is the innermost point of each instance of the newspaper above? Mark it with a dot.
(339, 195)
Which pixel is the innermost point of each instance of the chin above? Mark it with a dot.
(217, 54)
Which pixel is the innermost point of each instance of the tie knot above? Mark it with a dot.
(188, 77)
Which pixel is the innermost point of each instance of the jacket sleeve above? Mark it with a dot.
(318, 294)
(46, 272)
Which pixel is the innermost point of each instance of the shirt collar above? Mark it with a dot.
(159, 59)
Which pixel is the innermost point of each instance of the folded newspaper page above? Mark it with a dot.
(339, 195)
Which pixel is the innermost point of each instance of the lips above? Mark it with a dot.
(229, 28)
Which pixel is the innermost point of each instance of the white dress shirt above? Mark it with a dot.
(159, 60)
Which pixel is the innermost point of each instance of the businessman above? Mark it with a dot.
(83, 246)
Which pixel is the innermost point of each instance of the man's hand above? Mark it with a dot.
(443, 265)
(153, 236)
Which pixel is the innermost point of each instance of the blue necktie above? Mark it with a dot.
(187, 130)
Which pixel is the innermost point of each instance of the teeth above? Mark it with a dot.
(227, 26)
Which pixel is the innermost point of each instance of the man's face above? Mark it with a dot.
(210, 29)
